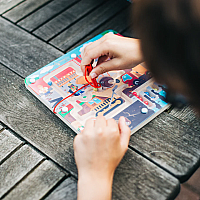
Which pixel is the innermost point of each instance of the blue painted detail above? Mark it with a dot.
(55, 77)
(106, 107)
(97, 101)
(79, 93)
(117, 81)
(91, 102)
(126, 77)
(133, 114)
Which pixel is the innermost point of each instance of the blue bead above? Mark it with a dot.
(50, 83)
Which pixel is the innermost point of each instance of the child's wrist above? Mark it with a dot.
(93, 176)
(94, 186)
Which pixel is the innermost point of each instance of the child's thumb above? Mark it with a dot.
(125, 132)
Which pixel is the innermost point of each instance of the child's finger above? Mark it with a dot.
(113, 126)
(94, 53)
(109, 65)
(89, 125)
(100, 124)
(93, 45)
(97, 42)
(102, 59)
(125, 132)
(90, 47)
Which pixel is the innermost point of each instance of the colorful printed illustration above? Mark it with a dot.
(64, 89)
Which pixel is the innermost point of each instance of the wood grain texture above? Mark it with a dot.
(44, 14)
(118, 23)
(128, 32)
(67, 190)
(88, 24)
(22, 52)
(45, 131)
(40, 126)
(188, 116)
(37, 183)
(6, 5)
(65, 19)
(16, 167)
(24, 9)
(138, 179)
(171, 144)
(8, 143)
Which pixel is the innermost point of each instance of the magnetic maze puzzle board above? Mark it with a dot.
(133, 93)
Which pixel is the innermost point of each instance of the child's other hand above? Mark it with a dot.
(100, 147)
(114, 53)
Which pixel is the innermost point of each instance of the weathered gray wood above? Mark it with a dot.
(23, 9)
(118, 23)
(138, 179)
(6, 5)
(188, 116)
(128, 32)
(8, 143)
(16, 167)
(44, 130)
(65, 19)
(33, 121)
(88, 24)
(67, 190)
(171, 144)
(44, 14)
(37, 183)
(22, 52)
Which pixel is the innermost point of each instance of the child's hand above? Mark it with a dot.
(98, 149)
(114, 53)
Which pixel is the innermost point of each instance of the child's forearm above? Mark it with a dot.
(95, 187)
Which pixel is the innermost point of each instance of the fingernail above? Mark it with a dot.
(123, 119)
(93, 75)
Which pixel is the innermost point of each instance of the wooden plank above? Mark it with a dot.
(171, 144)
(128, 32)
(40, 126)
(46, 13)
(16, 167)
(6, 5)
(67, 190)
(24, 9)
(188, 116)
(88, 24)
(37, 183)
(65, 19)
(118, 23)
(137, 178)
(8, 143)
(22, 52)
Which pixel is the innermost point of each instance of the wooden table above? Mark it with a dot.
(36, 148)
